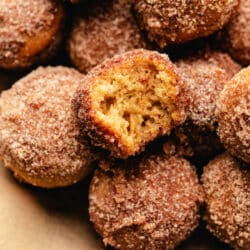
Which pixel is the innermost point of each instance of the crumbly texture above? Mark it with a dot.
(130, 100)
(177, 21)
(237, 34)
(226, 183)
(205, 77)
(37, 133)
(30, 31)
(105, 29)
(152, 203)
(233, 112)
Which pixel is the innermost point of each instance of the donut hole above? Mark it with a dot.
(137, 101)
(30, 32)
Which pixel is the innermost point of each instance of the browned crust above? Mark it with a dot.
(151, 203)
(226, 183)
(179, 21)
(233, 107)
(24, 45)
(103, 136)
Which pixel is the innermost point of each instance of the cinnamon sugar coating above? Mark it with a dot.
(105, 29)
(152, 203)
(224, 61)
(197, 144)
(30, 31)
(233, 112)
(37, 133)
(236, 36)
(178, 21)
(205, 76)
(130, 100)
(226, 183)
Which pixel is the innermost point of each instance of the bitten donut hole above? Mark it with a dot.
(136, 101)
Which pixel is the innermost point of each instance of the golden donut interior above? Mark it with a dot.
(135, 101)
